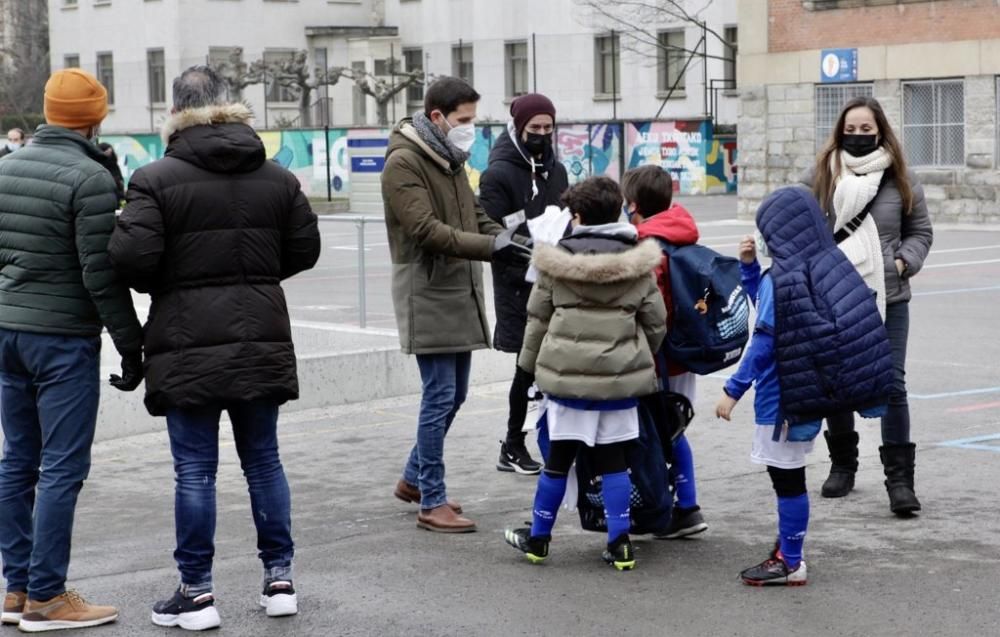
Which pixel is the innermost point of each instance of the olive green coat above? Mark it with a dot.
(57, 211)
(594, 322)
(437, 233)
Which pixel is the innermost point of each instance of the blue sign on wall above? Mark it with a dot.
(367, 164)
(838, 65)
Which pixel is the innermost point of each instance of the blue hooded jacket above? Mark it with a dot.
(831, 347)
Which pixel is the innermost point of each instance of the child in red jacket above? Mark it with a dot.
(648, 193)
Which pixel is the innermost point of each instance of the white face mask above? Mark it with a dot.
(758, 239)
(462, 136)
(12, 146)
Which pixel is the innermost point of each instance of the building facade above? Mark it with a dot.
(596, 65)
(934, 65)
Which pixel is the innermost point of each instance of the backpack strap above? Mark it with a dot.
(856, 222)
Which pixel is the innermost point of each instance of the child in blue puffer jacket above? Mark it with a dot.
(785, 459)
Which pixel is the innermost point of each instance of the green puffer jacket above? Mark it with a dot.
(57, 211)
(437, 234)
(594, 319)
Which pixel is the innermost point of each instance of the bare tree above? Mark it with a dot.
(24, 57)
(237, 73)
(294, 73)
(385, 90)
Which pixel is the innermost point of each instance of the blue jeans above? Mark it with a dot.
(194, 442)
(445, 379)
(49, 391)
(896, 422)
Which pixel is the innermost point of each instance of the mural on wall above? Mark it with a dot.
(698, 163)
(590, 149)
(303, 152)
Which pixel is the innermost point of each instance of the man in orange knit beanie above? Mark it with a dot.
(58, 292)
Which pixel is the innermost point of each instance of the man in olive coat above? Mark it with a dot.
(437, 235)
(57, 293)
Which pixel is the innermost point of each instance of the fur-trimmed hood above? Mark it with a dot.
(216, 138)
(236, 113)
(628, 265)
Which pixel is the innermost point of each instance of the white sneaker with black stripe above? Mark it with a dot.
(278, 599)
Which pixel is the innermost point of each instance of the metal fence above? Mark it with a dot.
(359, 221)
(934, 122)
(830, 99)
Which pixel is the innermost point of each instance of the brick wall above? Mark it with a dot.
(793, 27)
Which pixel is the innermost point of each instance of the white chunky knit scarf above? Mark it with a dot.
(857, 184)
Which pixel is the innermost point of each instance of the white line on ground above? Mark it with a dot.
(949, 250)
(346, 329)
(936, 266)
(958, 291)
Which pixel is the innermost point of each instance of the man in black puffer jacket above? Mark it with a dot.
(210, 231)
(523, 177)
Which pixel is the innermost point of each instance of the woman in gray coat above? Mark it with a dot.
(862, 171)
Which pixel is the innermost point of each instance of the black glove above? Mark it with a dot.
(506, 250)
(131, 373)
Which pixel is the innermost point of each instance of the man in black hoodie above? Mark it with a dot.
(523, 177)
(210, 231)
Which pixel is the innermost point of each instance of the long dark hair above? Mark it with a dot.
(828, 169)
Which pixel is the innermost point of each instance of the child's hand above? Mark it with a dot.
(724, 408)
(748, 251)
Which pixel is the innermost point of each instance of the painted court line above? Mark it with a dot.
(971, 408)
(954, 394)
(950, 250)
(975, 442)
(936, 266)
(991, 288)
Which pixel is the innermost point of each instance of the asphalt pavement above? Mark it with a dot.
(363, 568)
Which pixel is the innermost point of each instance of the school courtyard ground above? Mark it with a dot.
(363, 568)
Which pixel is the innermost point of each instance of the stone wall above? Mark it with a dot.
(777, 144)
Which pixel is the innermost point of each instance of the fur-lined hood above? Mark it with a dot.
(236, 113)
(629, 265)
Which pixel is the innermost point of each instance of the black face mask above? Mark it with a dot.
(538, 144)
(860, 145)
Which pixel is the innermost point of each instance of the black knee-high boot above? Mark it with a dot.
(899, 461)
(844, 456)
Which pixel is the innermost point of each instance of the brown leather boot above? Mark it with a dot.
(411, 493)
(443, 519)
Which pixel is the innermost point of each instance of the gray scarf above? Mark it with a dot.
(437, 140)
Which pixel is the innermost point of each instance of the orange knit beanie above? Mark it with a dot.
(75, 99)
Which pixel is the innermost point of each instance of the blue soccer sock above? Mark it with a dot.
(548, 496)
(616, 489)
(683, 473)
(793, 519)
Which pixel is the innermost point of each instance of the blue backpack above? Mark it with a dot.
(710, 315)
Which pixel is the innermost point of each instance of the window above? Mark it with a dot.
(607, 54)
(106, 74)
(220, 57)
(71, 61)
(414, 61)
(671, 59)
(157, 76)
(516, 68)
(461, 63)
(934, 122)
(276, 92)
(360, 99)
(387, 67)
(69, 4)
(729, 66)
(830, 100)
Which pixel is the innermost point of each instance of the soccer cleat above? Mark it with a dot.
(683, 523)
(514, 457)
(535, 549)
(189, 613)
(775, 572)
(279, 599)
(620, 554)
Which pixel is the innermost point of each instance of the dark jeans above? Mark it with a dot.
(518, 401)
(445, 379)
(896, 422)
(49, 391)
(194, 442)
